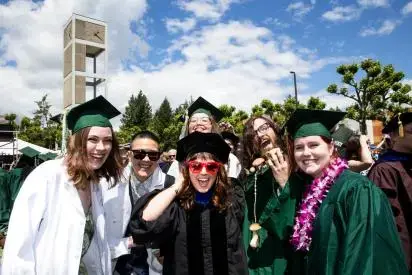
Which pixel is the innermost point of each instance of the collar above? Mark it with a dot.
(155, 181)
(391, 155)
(203, 198)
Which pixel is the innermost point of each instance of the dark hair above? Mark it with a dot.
(352, 148)
(220, 198)
(145, 134)
(76, 160)
(250, 150)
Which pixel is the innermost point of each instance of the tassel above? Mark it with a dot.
(254, 242)
(401, 133)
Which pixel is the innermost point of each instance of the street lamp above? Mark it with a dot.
(296, 89)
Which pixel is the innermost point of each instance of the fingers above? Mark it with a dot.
(276, 156)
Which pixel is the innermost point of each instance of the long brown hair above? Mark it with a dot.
(250, 150)
(76, 161)
(220, 197)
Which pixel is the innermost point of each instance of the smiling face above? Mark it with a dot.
(312, 154)
(202, 176)
(265, 137)
(144, 167)
(200, 122)
(99, 145)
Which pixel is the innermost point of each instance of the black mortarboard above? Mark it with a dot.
(201, 105)
(95, 112)
(305, 122)
(230, 136)
(397, 122)
(202, 142)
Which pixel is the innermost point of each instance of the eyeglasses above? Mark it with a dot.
(141, 154)
(262, 129)
(172, 156)
(197, 166)
(200, 120)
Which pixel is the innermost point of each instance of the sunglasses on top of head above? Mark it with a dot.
(141, 154)
(196, 166)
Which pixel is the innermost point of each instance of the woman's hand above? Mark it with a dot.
(279, 165)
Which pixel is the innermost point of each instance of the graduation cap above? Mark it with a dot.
(29, 152)
(201, 105)
(95, 112)
(340, 138)
(397, 122)
(203, 142)
(230, 136)
(305, 122)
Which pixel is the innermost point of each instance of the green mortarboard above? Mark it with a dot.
(201, 105)
(230, 136)
(29, 152)
(305, 122)
(203, 142)
(396, 121)
(95, 112)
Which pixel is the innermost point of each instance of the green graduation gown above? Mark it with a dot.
(4, 201)
(354, 232)
(275, 213)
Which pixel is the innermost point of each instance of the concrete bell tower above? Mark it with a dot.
(85, 55)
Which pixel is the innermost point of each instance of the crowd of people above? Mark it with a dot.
(305, 198)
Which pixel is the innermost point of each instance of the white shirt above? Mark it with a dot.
(118, 209)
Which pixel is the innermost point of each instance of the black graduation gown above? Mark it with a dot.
(195, 242)
(394, 177)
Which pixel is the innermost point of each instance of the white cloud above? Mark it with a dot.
(235, 63)
(275, 22)
(206, 9)
(407, 9)
(176, 25)
(342, 14)
(387, 27)
(32, 38)
(299, 9)
(373, 3)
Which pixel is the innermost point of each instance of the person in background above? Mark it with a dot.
(172, 154)
(343, 224)
(266, 186)
(140, 177)
(198, 220)
(203, 117)
(164, 162)
(354, 148)
(393, 174)
(57, 225)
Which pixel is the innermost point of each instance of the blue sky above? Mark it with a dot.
(230, 51)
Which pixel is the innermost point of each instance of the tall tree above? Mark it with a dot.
(138, 112)
(314, 103)
(377, 95)
(42, 113)
(12, 120)
(162, 119)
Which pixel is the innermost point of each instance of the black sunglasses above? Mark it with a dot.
(141, 154)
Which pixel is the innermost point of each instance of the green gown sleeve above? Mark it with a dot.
(4, 201)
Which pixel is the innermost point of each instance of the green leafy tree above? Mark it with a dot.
(377, 94)
(314, 103)
(162, 119)
(12, 120)
(136, 117)
(138, 112)
(42, 113)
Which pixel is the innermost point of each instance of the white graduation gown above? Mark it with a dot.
(46, 227)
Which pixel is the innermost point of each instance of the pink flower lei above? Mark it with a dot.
(312, 199)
